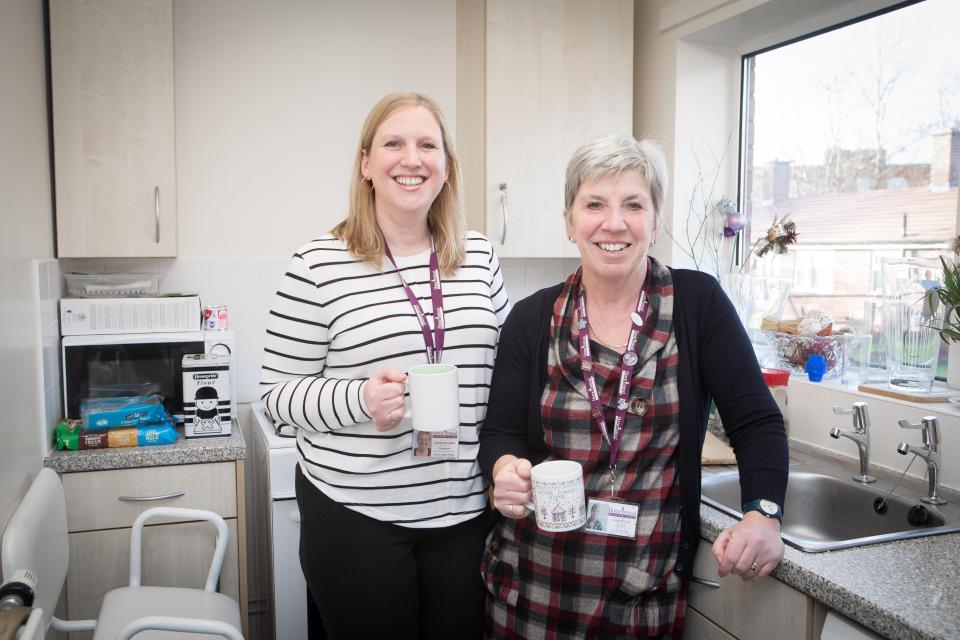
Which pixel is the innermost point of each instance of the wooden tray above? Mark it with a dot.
(716, 451)
(938, 394)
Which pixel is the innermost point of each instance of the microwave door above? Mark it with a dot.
(113, 370)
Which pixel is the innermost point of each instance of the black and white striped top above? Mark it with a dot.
(334, 321)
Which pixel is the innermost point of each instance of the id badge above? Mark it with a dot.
(436, 444)
(611, 518)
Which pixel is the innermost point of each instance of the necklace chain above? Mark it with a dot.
(597, 337)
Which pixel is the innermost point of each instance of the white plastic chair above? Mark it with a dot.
(36, 540)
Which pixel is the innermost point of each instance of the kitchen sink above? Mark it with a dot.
(826, 510)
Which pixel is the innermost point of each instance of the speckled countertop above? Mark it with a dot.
(183, 451)
(904, 589)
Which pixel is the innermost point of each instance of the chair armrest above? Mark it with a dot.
(173, 623)
(72, 626)
(220, 551)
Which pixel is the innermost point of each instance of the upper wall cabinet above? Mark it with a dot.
(113, 127)
(557, 73)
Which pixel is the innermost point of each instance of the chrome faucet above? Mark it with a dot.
(930, 429)
(860, 435)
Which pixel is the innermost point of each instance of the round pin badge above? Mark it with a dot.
(638, 406)
(637, 320)
(630, 358)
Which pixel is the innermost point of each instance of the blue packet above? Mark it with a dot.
(161, 434)
(130, 411)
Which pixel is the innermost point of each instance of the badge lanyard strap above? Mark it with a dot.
(432, 340)
(627, 363)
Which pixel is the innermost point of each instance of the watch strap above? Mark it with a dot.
(768, 508)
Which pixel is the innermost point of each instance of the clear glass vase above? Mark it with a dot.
(755, 296)
(912, 319)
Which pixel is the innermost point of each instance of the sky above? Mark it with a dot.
(818, 93)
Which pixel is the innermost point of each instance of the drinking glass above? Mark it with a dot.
(855, 367)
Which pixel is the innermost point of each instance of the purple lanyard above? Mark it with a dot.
(434, 346)
(627, 363)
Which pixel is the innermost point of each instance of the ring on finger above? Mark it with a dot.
(754, 567)
(513, 509)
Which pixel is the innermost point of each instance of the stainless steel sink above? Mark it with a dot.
(826, 510)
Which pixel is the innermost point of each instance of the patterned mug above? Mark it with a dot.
(558, 498)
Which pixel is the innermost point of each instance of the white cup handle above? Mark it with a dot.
(530, 507)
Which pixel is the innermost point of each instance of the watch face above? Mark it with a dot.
(769, 507)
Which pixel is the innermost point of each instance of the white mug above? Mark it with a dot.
(434, 397)
(558, 498)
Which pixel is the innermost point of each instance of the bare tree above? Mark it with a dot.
(948, 103)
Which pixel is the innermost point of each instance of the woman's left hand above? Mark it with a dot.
(752, 542)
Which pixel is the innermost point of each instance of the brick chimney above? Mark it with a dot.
(780, 187)
(946, 159)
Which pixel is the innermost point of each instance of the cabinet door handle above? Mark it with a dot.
(175, 494)
(156, 212)
(705, 582)
(295, 516)
(503, 210)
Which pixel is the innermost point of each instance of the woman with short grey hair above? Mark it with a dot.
(615, 369)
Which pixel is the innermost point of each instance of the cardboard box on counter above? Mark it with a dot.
(206, 395)
(86, 316)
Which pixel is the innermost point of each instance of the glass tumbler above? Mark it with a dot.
(855, 367)
(911, 321)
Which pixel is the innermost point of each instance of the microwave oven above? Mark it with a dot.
(103, 366)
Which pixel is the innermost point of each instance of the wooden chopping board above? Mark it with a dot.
(716, 451)
(938, 394)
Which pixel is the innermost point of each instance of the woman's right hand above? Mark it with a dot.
(383, 395)
(512, 488)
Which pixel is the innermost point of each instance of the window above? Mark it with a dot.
(854, 135)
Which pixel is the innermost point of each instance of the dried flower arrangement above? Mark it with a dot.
(781, 234)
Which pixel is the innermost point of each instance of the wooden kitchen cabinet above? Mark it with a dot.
(175, 553)
(536, 79)
(746, 610)
(113, 127)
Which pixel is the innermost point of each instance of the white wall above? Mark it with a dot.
(27, 224)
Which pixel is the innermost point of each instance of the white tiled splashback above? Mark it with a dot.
(810, 414)
(48, 293)
(246, 287)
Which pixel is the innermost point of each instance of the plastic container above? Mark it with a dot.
(115, 285)
(777, 380)
(816, 366)
(775, 377)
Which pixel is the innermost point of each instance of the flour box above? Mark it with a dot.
(206, 395)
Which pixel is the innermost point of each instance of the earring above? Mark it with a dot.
(653, 241)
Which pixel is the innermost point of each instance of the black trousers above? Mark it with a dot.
(372, 579)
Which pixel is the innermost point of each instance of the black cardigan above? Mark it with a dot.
(716, 362)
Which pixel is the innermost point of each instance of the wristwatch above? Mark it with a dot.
(766, 507)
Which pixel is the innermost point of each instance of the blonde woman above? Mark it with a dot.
(390, 543)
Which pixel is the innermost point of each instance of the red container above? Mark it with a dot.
(775, 377)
